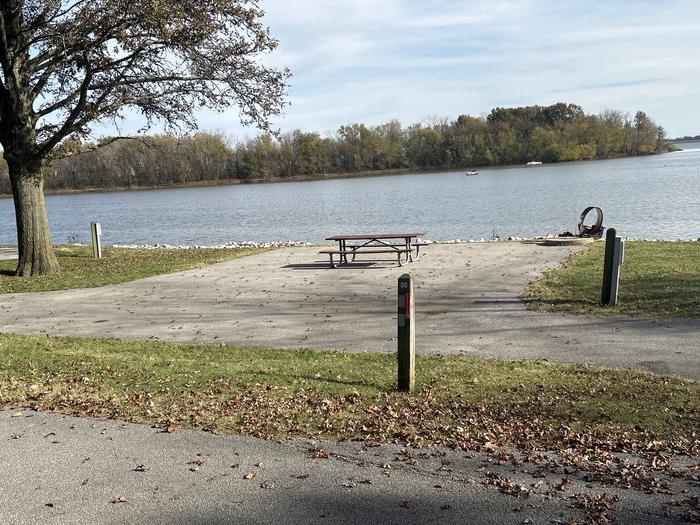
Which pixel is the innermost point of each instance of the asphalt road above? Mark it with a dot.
(466, 304)
(59, 469)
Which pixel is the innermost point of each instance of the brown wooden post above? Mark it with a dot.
(406, 335)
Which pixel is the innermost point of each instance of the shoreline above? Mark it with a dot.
(295, 244)
(312, 177)
(273, 180)
(305, 244)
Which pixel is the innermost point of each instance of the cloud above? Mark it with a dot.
(368, 61)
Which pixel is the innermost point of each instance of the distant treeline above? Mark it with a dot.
(561, 132)
(688, 138)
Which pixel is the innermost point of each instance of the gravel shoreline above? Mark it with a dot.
(294, 244)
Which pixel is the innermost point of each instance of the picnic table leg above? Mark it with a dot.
(331, 256)
(409, 254)
(399, 258)
(343, 256)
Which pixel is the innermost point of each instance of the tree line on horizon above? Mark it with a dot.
(557, 133)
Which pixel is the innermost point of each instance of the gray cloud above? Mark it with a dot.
(368, 61)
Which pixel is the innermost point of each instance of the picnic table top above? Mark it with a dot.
(375, 236)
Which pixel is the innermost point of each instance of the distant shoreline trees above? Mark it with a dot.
(557, 133)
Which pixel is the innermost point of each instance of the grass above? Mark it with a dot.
(79, 269)
(460, 402)
(657, 279)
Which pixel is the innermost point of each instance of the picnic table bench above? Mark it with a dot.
(401, 244)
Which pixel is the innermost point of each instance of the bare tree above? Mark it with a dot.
(68, 64)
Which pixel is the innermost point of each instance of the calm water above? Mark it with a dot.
(651, 197)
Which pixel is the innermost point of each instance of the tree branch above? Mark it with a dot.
(4, 59)
(164, 58)
(46, 147)
(41, 82)
(100, 145)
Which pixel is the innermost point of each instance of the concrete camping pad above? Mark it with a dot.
(466, 304)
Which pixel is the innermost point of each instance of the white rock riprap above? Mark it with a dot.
(233, 245)
(292, 244)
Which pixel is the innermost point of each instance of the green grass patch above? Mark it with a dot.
(79, 269)
(656, 279)
(460, 402)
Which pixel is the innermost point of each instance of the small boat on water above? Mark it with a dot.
(472, 172)
(534, 163)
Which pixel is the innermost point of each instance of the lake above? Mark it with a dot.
(655, 197)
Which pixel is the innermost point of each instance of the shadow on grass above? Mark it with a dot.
(673, 294)
(587, 302)
(71, 255)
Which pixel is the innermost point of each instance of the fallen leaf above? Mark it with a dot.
(266, 485)
(319, 453)
(120, 499)
(490, 447)
(249, 475)
(565, 484)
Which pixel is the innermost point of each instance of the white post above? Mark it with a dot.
(96, 232)
(618, 259)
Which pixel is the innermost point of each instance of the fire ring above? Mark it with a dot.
(591, 231)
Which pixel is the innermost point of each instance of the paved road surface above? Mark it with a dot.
(60, 469)
(466, 304)
(7, 253)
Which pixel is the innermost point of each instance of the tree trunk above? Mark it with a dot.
(36, 255)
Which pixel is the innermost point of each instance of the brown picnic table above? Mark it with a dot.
(401, 244)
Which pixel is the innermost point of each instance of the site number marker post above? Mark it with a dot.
(608, 264)
(96, 233)
(618, 259)
(406, 335)
(614, 257)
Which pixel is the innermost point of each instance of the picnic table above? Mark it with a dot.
(402, 244)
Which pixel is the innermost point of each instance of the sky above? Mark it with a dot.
(372, 61)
